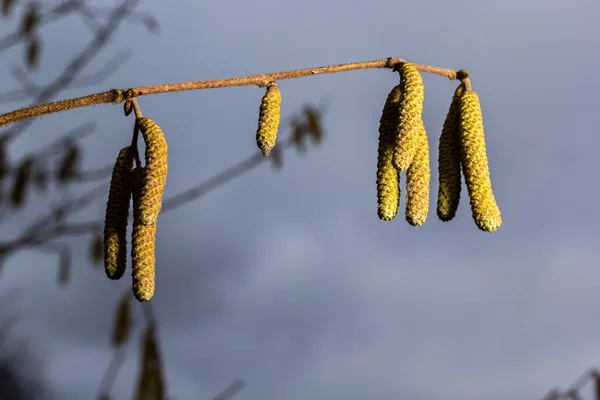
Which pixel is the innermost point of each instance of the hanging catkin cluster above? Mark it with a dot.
(404, 146)
(145, 185)
(268, 119)
(417, 181)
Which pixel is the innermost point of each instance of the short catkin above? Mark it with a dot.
(143, 243)
(475, 164)
(156, 168)
(268, 119)
(117, 212)
(410, 117)
(388, 179)
(417, 181)
(449, 162)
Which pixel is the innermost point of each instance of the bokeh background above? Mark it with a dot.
(286, 278)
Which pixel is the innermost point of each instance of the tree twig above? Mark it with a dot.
(119, 95)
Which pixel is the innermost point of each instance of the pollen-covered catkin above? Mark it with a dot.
(156, 168)
(410, 117)
(449, 162)
(117, 212)
(143, 243)
(417, 181)
(268, 119)
(475, 164)
(388, 179)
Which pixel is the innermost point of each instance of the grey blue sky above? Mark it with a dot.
(288, 279)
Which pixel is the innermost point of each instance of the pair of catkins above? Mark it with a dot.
(145, 185)
(404, 146)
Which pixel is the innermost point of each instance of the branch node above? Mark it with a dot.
(129, 94)
(394, 63)
(117, 96)
(462, 74)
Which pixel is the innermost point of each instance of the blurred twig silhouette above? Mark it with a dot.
(58, 165)
(591, 375)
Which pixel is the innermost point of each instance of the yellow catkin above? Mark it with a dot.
(268, 120)
(410, 117)
(155, 177)
(117, 212)
(143, 243)
(475, 164)
(417, 181)
(388, 179)
(449, 162)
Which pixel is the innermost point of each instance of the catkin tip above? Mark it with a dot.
(417, 182)
(142, 244)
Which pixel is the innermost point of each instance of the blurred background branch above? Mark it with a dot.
(58, 165)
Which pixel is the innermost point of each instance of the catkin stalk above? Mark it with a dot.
(475, 164)
(410, 117)
(117, 213)
(388, 179)
(268, 119)
(417, 181)
(449, 162)
(156, 168)
(143, 243)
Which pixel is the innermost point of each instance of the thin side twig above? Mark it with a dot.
(70, 73)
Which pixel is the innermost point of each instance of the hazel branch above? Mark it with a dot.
(119, 95)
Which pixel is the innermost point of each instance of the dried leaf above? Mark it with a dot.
(31, 19)
(313, 124)
(33, 53)
(299, 133)
(127, 107)
(64, 269)
(67, 169)
(150, 381)
(7, 7)
(122, 324)
(276, 157)
(97, 249)
(22, 179)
